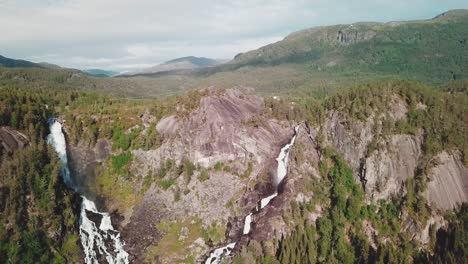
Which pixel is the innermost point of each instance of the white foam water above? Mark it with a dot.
(247, 223)
(102, 240)
(218, 254)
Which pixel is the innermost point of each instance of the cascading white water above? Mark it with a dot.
(102, 240)
(218, 254)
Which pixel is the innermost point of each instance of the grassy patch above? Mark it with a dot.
(165, 184)
(218, 166)
(121, 162)
(248, 171)
(178, 237)
(203, 175)
(214, 233)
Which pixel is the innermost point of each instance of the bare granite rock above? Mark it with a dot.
(388, 168)
(11, 139)
(225, 129)
(448, 185)
(349, 137)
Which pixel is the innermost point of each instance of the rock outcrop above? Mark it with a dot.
(448, 182)
(84, 161)
(11, 139)
(226, 130)
(302, 170)
(386, 169)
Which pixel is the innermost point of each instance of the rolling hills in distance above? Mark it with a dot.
(317, 61)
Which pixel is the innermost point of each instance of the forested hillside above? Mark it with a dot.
(320, 60)
(39, 215)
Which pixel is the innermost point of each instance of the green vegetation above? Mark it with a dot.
(165, 183)
(218, 166)
(31, 190)
(121, 162)
(452, 244)
(189, 167)
(203, 175)
(178, 236)
(213, 235)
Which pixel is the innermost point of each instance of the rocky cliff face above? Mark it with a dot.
(383, 168)
(448, 181)
(232, 143)
(228, 140)
(85, 162)
(302, 171)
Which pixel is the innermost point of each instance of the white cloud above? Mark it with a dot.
(115, 34)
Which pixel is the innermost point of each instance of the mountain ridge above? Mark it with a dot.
(322, 60)
(14, 63)
(182, 63)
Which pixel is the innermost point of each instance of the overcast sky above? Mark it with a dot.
(130, 34)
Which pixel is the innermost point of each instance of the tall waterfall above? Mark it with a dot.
(99, 238)
(218, 254)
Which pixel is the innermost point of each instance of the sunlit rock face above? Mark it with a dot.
(227, 128)
(448, 182)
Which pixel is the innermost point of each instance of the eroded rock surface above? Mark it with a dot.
(226, 129)
(448, 185)
(84, 162)
(11, 139)
(388, 168)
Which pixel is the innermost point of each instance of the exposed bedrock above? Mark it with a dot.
(448, 181)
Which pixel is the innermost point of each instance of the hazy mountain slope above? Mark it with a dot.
(317, 62)
(322, 59)
(100, 73)
(12, 63)
(378, 41)
(184, 63)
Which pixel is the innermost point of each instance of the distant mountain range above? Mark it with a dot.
(100, 73)
(14, 63)
(319, 60)
(183, 63)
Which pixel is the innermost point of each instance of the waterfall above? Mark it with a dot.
(97, 238)
(218, 254)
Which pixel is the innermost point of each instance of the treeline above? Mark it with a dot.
(38, 215)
